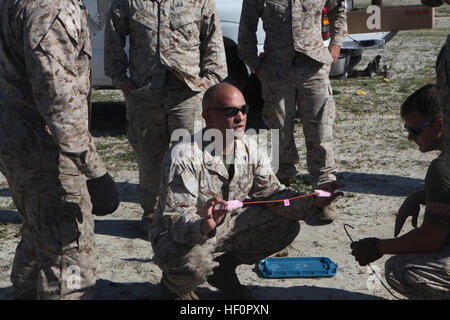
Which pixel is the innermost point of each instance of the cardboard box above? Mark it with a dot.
(389, 18)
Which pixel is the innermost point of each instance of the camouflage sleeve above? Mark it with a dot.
(116, 31)
(337, 15)
(247, 39)
(213, 62)
(179, 192)
(267, 187)
(61, 96)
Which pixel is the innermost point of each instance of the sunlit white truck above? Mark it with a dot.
(229, 12)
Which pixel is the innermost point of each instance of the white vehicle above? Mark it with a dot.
(229, 12)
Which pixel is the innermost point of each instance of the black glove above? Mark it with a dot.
(104, 195)
(365, 251)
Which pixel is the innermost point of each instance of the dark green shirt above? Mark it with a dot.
(437, 189)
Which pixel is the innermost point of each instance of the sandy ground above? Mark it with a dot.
(378, 171)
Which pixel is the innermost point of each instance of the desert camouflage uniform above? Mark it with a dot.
(172, 45)
(294, 73)
(46, 151)
(191, 175)
(420, 275)
(443, 80)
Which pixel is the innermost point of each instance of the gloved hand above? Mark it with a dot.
(365, 251)
(104, 195)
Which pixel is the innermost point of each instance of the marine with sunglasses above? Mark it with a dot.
(176, 52)
(194, 238)
(420, 267)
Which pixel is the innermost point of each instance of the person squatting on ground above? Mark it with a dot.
(176, 52)
(294, 73)
(420, 268)
(192, 238)
(46, 150)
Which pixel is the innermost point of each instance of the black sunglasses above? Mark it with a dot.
(232, 111)
(417, 130)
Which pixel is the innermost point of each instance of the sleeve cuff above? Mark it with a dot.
(338, 40)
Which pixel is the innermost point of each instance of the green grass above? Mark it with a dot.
(11, 206)
(380, 97)
(4, 232)
(299, 184)
(107, 95)
(121, 158)
(117, 153)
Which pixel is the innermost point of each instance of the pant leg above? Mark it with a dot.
(25, 269)
(184, 267)
(56, 255)
(279, 110)
(255, 233)
(317, 112)
(147, 132)
(67, 255)
(53, 260)
(420, 275)
(184, 107)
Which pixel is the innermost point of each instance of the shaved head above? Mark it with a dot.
(224, 96)
(219, 95)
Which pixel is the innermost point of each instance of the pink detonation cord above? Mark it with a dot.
(233, 204)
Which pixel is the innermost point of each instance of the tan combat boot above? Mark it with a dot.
(327, 214)
(177, 295)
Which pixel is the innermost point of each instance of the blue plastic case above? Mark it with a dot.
(297, 267)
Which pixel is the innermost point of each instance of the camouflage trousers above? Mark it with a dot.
(56, 257)
(420, 275)
(252, 234)
(303, 87)
(443, 81)
(152, 117)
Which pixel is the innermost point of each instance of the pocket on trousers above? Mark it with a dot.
(56, 220)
